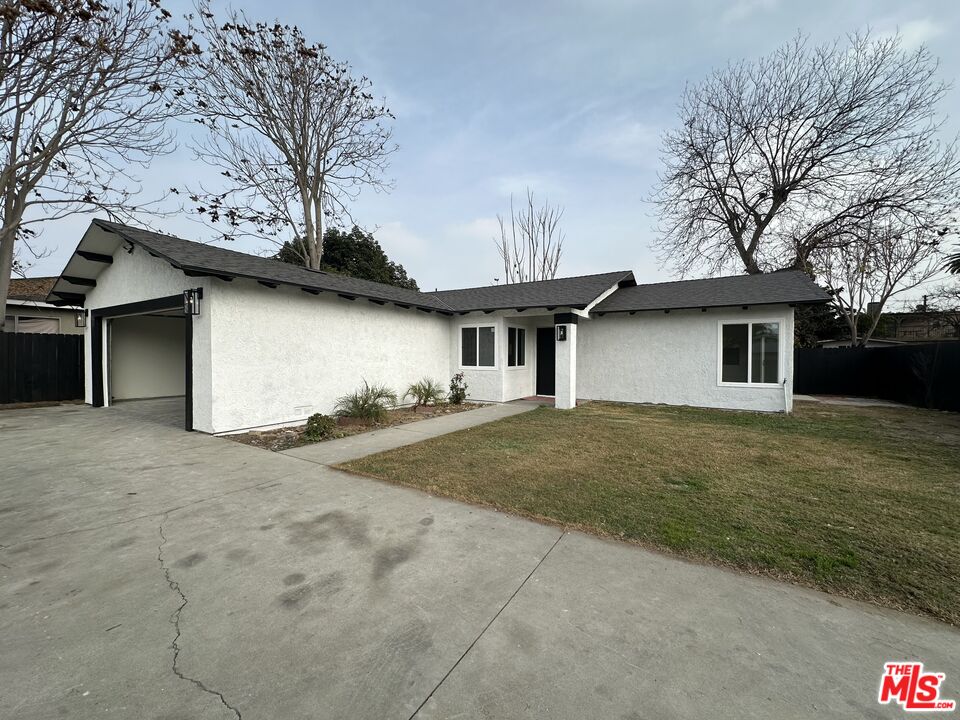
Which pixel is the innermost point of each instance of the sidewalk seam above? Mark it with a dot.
(487, 626)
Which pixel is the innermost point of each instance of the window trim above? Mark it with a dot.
(524, 330)
(496, 347)
(781, 367)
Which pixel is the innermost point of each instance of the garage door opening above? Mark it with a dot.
(147, 362)
(142, 360)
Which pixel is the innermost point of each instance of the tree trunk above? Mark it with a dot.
(8, 237)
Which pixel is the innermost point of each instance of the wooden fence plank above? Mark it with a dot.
(36, 367)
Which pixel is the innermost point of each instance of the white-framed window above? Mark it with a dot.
(478, 346)
(516, 347)
(750, 353)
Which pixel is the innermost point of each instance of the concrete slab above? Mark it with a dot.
(606, 630)
(150, 572)
(851, 401)
(341, 450)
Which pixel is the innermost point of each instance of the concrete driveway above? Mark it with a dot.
(152, 573)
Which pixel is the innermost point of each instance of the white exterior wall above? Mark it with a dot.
(135, 277)
(672, 358)
(146, 357)
(501, 383)
(565, 392)
(281, 355)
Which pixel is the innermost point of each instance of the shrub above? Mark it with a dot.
(319, 427)
(425, 392)
(369, 402)
(458, 389)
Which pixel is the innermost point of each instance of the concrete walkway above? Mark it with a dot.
(849, 401)
(146, 572)
(331, 452)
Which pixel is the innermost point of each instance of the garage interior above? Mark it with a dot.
(147, 362)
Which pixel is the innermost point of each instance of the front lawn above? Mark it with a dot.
(862, 502)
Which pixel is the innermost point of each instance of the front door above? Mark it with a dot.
(546, 361)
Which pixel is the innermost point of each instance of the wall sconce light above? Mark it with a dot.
(561, 333)
(80, 320)
(191, 301)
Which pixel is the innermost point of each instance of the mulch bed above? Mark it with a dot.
(291, 437)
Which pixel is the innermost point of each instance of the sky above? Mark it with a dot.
(566, 97)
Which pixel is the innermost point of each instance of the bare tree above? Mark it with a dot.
(294, 133)
(531, 242)
(882, 260)
(81, 84)
(776, 158)
(944, 301)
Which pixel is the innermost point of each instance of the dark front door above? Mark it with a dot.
(546, 361)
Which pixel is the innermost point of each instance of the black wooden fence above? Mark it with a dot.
(925, 375)
(35, 367)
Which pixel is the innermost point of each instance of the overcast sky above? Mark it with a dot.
(568, 97)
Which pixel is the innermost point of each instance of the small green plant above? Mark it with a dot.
(425, 392)
(319, 427)
(458, 389)
(369, 402)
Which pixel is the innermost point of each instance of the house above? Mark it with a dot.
(29, 312)
(254, 343)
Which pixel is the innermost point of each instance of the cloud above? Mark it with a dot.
(743, 9)
(399, 241)
(623, 140)
(913, 33)
(542, 184)
(482, 229)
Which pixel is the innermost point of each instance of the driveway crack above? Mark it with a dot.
(486, 627)
(175, 621)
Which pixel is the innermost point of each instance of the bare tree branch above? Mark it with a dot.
(82, 86)
(777, 158)
(294, 134)
(532, 246)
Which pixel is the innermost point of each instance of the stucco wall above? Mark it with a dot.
(281, 355)
(501, 383)
(146, 357)
(672, 358)
(135, 277)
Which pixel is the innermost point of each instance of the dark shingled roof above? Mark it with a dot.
(790, 286)
(199, 259)
(35, 289)
(573, 292)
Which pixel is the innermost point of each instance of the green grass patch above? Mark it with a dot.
(863, 502)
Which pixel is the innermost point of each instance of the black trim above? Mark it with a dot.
(565, 319)
(74, 280)
(202, 273)
(95, 257)
(347, 297)
(310, 290)
(70, 298)
(708, 307)
(145, 307)
(267, 284)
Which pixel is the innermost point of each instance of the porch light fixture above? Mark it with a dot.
(561, 333)
(80, 320)
(191, 301)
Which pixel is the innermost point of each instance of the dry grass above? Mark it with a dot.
(863, 502)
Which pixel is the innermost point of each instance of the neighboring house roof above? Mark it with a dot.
(574, 292)
(35, 289)
(791, 286)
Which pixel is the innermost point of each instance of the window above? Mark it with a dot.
(750, 353)
(516, 347)
(477, 346)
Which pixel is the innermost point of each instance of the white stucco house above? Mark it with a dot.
(254, 343)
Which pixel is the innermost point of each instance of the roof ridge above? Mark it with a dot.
(724, 277)
(536, 282)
